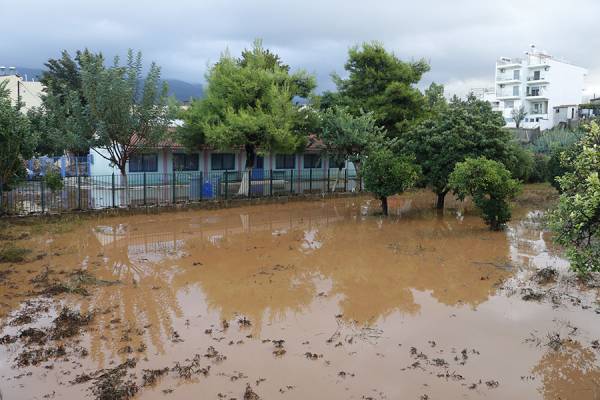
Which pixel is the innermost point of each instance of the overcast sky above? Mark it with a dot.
(461, 39)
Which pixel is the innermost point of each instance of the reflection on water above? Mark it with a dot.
(570, 372)
(279, 264)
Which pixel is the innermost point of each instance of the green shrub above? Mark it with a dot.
(490, 185)
(13, 254)
(53, 181)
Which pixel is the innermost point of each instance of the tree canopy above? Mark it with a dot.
(576, 220)
(17, 141)
(347, 137)
(387, 174)
(465, 128)
(249, 103)
(126, 115)
(489, 184)
(381, 83)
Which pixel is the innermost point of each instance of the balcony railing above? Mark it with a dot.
(534, 78)
(536, 92)
(507, 78)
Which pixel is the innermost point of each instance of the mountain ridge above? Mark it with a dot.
(182, 90)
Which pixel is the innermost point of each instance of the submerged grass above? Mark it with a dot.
(13, 254)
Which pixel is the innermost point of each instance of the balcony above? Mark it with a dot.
(536, 93)
(536, 79)
(507, 95)
(509, 63)
(507, 79)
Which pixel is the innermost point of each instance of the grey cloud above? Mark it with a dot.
(461, 39)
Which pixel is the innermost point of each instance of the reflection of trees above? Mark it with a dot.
(372, 266)
(144, 302)
(376, 266)
(571, 372)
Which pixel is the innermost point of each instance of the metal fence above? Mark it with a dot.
(149, 189)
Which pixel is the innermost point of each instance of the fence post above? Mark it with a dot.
(226, 184)
(144, 187)
(43, 196)
(328, 179)
(249, 183)
(310, 181)
(292, 181)
(271, 184)
(201, 185)
(346, 179)
(173, 188)
(78, 190)
(113, 189)
(2, 197)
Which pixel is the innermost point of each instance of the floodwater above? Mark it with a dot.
(311, 300)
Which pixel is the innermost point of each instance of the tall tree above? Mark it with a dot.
(249, 103)
(126, 115)
(466, 128)
(62, 102)
(379, 82)
(17, 141)
(348, 137)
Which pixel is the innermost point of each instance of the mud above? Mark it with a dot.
(304, 300)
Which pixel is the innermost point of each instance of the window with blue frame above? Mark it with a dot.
(285, 161)
(185, 162)
(312, 161)
(143, 163)
(222, 161)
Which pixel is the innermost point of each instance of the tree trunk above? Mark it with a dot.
(337, 178)
(441, 197)
(125, 184)
(384, 205)
(250, 158)
(357, 180)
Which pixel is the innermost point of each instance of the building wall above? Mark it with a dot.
(562, 83)
(29, 91)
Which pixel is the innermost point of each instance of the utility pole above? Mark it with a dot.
(18, 94)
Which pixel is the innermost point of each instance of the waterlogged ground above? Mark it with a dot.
(312, 300)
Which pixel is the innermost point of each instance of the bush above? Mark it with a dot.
(490, 185)
(13, 254)
(540, 172)
(576, 220)
(53, 181)
(386, 174)
(520, 162)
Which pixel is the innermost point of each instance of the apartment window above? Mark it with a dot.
(143, 163)
(185, 162)
(515, 90)
(536, 75)
(509, 104)
(312, 161)
(222, 161)
(517, 74)
(285, 161)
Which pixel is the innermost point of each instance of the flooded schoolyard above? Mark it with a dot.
(307, 300)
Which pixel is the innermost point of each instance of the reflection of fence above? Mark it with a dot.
(142, 189)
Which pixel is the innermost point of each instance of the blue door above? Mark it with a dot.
(258, 175)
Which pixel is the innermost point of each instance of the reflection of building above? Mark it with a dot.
(538, 82)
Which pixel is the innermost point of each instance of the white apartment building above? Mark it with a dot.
(540, 83)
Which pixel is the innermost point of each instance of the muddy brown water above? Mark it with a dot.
(414, 306)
